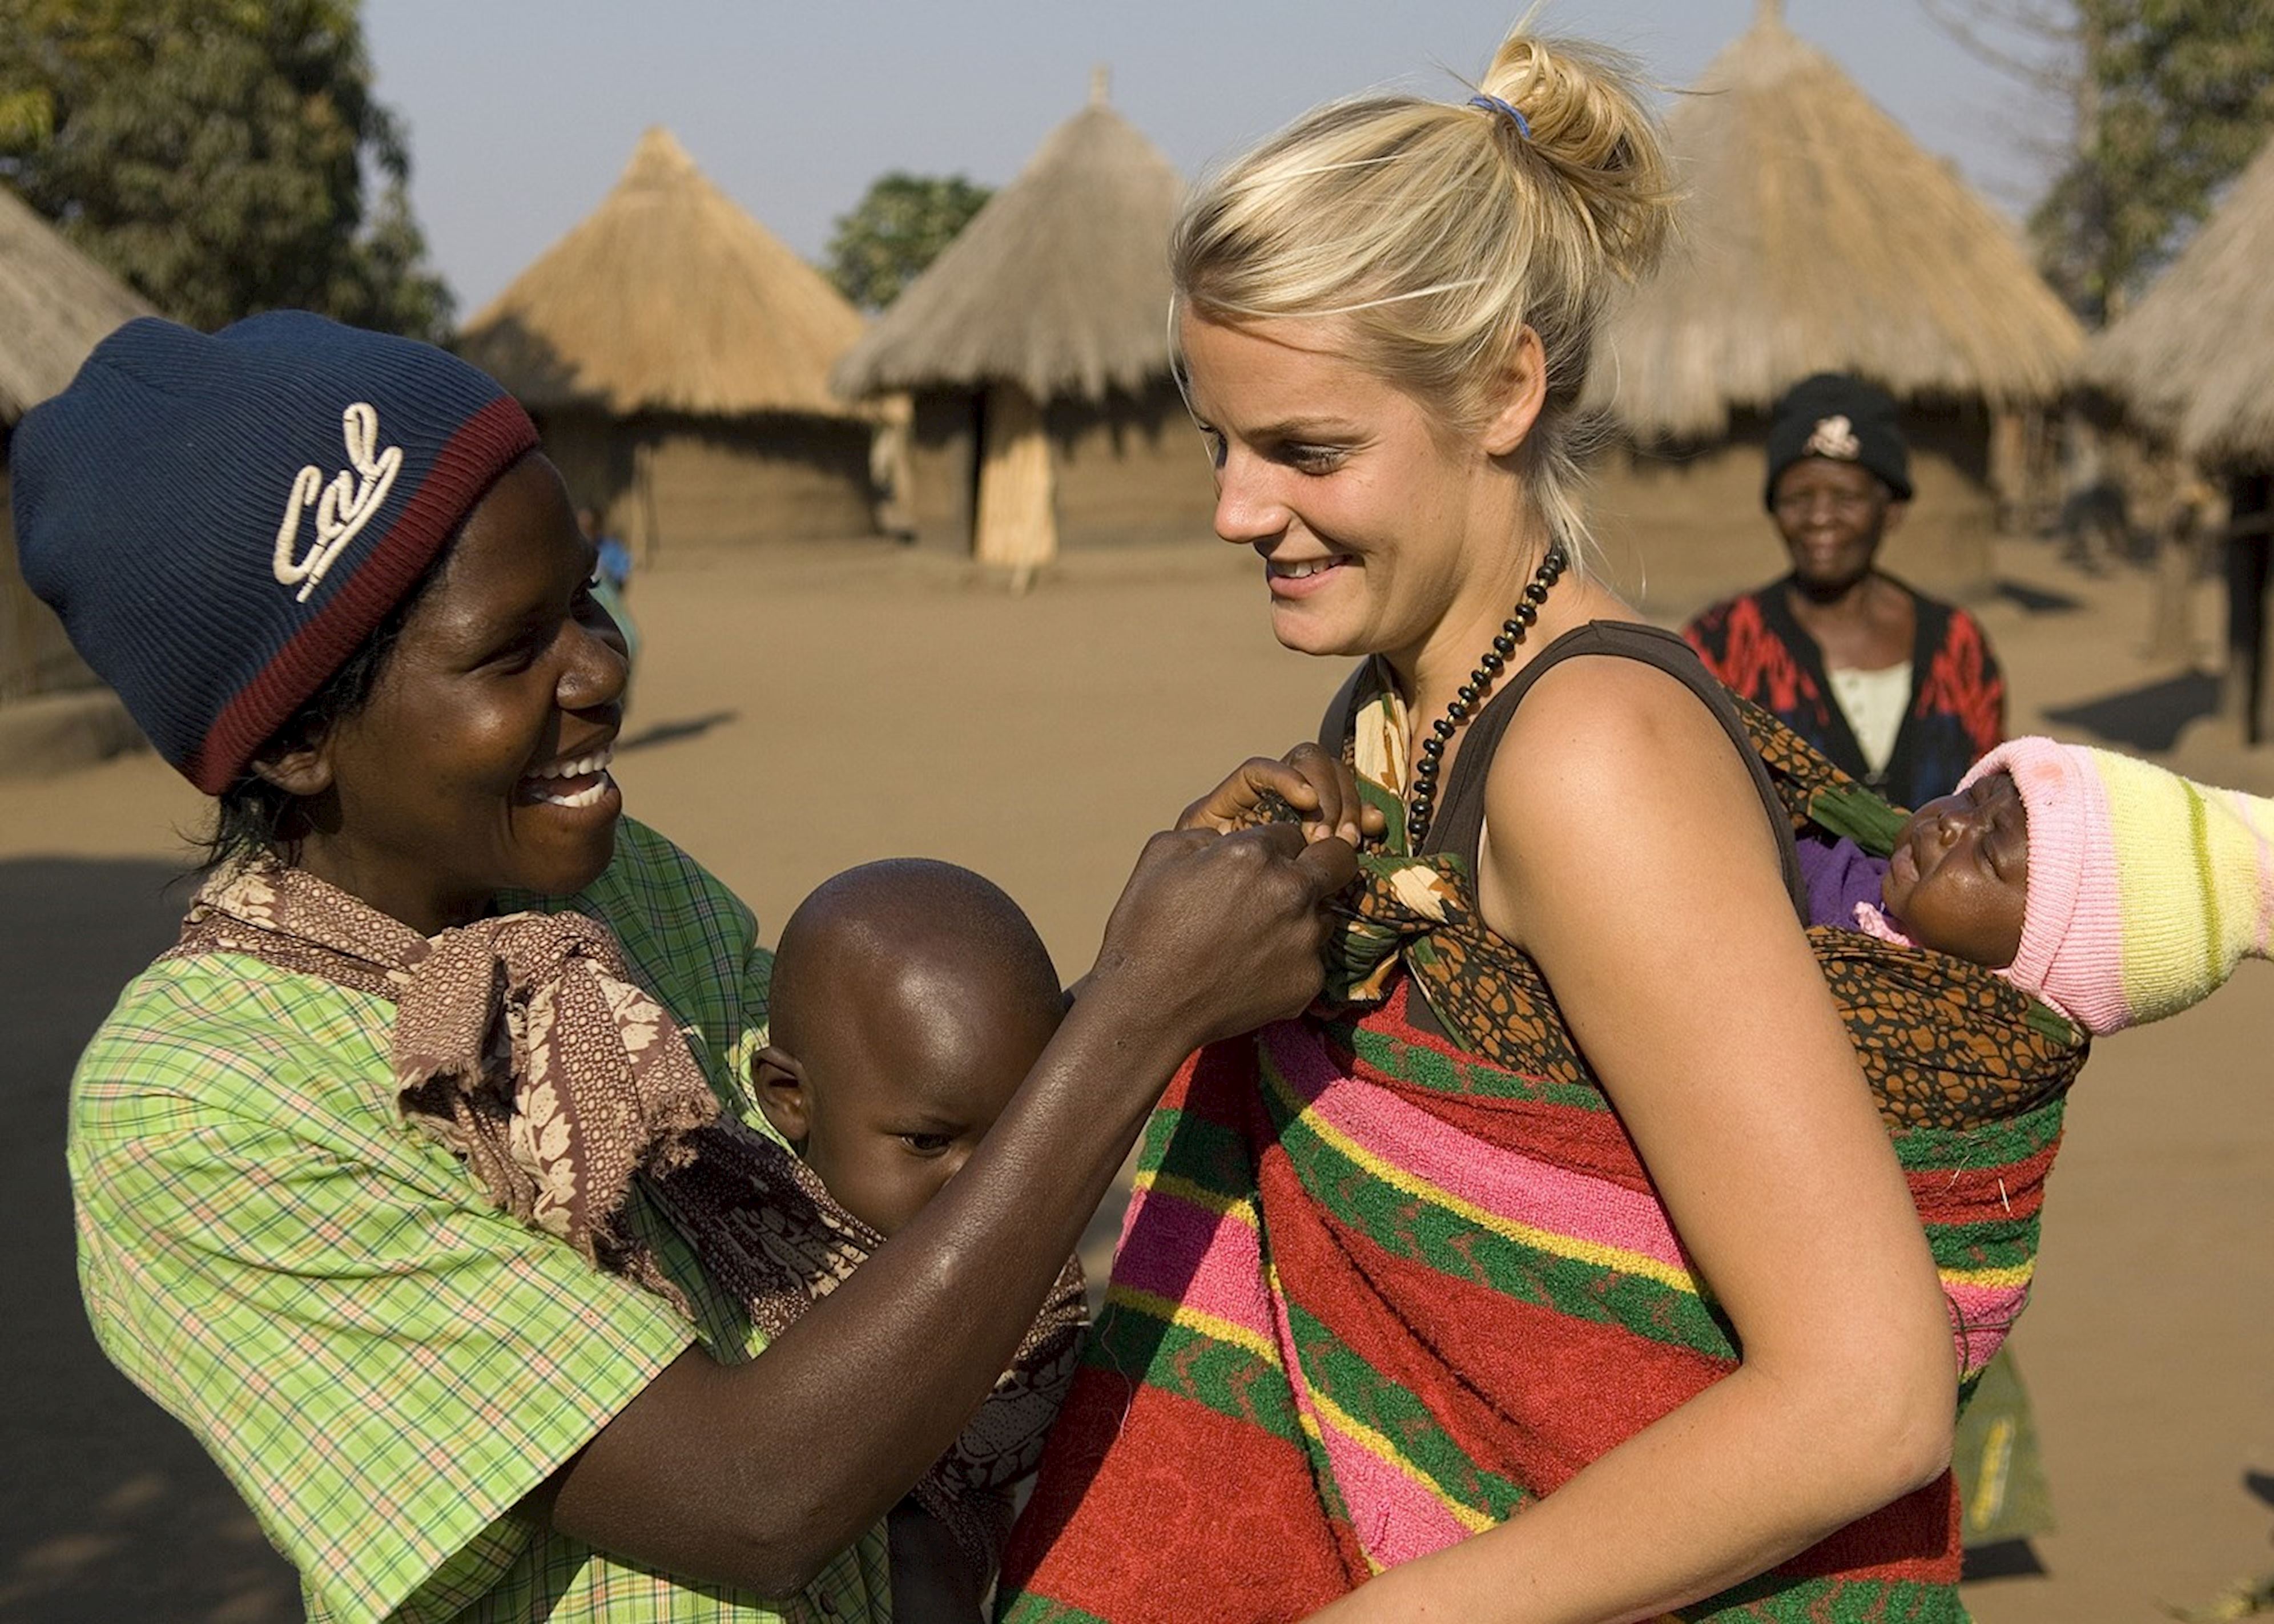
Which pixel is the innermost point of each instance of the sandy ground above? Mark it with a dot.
(803, 710)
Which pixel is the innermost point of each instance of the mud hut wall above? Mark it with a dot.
(739, 484)
(35, 657)
(1680, 527)
(595, 459)
(665, 484)
(1130, 469)
(943, 466)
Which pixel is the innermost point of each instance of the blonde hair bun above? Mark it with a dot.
(1585, 117)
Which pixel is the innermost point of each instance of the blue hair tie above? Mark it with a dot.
(1494, 105)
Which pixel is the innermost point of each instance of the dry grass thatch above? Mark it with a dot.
(1060, 284)
(1816, 236)
(55, 305)
(668, 298)
(2191, 359)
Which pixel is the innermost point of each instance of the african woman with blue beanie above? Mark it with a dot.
(421, 1178)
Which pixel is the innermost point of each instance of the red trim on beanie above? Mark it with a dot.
(485, 445)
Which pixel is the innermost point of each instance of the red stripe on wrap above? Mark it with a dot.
(1215, 1521)
(1589, 1139)
(1538, 1395)
(1943, 1196)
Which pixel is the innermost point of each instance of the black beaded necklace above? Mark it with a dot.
(1423, 804)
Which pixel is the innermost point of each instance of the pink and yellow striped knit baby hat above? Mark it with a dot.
(2146, 889)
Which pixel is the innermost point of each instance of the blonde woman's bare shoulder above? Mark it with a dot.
(1603, 724)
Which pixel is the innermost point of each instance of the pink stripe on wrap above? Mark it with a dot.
(1980, 1317)
(1396, 1516)
(1396, 1519)
(1504, 1183)
(1197, 1259)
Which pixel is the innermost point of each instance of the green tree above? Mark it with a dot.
(221, 155)
(897, 229)
(2161, 101)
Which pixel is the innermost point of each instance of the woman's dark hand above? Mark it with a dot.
(1319, 788)
(1218, 933)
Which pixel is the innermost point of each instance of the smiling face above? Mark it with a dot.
(480, 761)
(1380, 529)
(1960, 877)
(1833, 518)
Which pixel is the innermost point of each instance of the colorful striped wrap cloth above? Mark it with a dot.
(1376, 1290)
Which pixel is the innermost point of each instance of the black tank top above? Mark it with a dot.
(1459, 826)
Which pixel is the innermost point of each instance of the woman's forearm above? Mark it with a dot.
(773, 1465)
(1750, 1472)
(757, 1473)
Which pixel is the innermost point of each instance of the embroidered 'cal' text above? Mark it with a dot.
(343, 507)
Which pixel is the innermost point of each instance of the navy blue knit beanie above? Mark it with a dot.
(1844, 420)
(222, 521)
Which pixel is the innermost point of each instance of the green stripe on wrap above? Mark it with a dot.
(1417, 1066)
(1454, 1244)
(1363, 1394)
(1138, 1346)
(1200, 1152)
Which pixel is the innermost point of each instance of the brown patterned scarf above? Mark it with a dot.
(522, 1045)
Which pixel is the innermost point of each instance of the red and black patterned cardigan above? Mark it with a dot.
(1957, 710)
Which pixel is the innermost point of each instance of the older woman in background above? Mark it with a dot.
(1898, 689)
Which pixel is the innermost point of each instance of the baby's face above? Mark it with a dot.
(1960, 878)
(887, 1130)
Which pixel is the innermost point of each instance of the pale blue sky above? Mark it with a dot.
(522, 112)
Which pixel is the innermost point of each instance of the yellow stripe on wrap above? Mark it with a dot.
(1187, 1319)
(1595, 1253)
(1240, 1208)
(1990, 1279)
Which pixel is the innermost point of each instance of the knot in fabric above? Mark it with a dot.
(1395, 903)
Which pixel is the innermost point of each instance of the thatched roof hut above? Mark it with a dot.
(1817, 237)
(55, 305)
(2191, 360)
(677, 355)
(1036, 347)
(2190, 364)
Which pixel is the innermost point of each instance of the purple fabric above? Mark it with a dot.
(1839, 874)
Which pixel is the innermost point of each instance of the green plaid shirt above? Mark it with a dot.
(383, 1364)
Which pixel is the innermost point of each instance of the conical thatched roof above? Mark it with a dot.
(55, 305)
(668, 298)
(1816, 236)
(1059, 284)
(2191, 359)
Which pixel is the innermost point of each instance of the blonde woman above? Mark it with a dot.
(1599, 1338)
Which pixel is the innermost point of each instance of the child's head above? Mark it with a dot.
(910, 1000)
(2138, 892)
